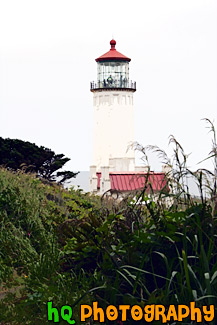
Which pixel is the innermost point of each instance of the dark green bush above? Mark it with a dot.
(74, 248)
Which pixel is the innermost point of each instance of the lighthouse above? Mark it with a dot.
(113, 169)
(113, 117)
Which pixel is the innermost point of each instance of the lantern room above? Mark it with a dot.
(113, 71)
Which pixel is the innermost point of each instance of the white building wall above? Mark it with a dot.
(113, 127)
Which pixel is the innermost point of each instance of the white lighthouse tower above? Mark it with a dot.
(113, 119)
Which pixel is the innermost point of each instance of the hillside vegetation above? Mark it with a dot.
(72, 248)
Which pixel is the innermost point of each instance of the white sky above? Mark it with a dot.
(47, 60)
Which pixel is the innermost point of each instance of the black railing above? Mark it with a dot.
(113, 84)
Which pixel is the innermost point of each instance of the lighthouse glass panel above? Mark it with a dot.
(113, 74)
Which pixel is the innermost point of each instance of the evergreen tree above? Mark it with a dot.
(17, 154)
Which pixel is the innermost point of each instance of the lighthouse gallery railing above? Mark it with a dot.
(115, 84)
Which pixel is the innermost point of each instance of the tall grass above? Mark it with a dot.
(74, 248)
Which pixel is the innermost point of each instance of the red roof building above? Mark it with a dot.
(134, 181)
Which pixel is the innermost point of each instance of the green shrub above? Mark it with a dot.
(71, 248)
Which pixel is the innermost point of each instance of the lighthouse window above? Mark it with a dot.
(113, 74)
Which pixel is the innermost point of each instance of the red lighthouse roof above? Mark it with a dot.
(113, 54)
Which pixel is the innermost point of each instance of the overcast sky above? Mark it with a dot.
(47, 60)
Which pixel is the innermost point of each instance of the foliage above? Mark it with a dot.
(17, 154)
(71, 248)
